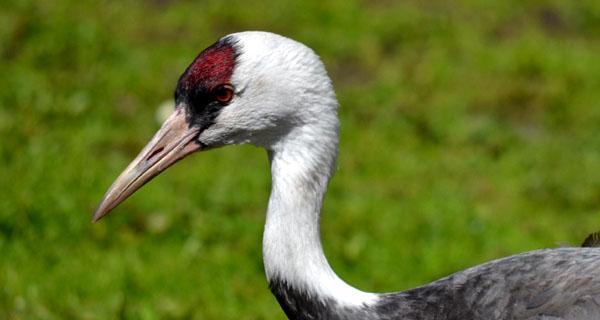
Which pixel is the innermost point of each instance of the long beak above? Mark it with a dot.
(175, 140)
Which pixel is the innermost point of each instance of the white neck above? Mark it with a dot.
(301, 166)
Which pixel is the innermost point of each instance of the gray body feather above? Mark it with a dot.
(546, 284)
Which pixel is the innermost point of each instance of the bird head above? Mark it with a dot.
(249, 87)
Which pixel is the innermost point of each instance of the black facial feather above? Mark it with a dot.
(198, 86)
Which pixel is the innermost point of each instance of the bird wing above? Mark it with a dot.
(558, 284)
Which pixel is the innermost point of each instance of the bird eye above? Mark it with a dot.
(224, 93)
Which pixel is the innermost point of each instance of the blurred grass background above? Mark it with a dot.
(470, 131)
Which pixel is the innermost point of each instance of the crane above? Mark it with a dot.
(273, 92)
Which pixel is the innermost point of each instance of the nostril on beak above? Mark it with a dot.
(157, 151)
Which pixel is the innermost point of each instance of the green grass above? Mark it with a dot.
(470, 131)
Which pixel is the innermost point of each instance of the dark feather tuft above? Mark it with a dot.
(593, 240)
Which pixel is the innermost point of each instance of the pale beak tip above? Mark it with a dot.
(100, 212)
(175, 140)
(96, 218)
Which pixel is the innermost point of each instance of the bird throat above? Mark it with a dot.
(297, 269)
